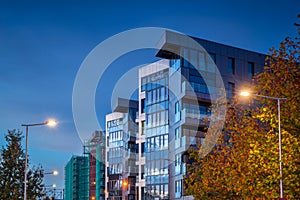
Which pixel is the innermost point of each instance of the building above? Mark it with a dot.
(77, 178)
(153, 142)
(174, 99)
(94, 149)
(146, 140)
(121, 170)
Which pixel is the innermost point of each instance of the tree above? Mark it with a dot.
(12, 167)
(246, 166)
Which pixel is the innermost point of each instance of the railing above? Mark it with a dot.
(194, 114)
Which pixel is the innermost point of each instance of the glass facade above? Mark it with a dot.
(156, 130)
(122, 151)
(250, 69)
(115, 157)
(171, 112)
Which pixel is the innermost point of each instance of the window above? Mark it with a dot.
(162, 94)
(250, 69)
(231, 88)
(175, 64)
(177, 138)
(166, 141)
(201, 61)
(177, 107)
(177, 159)
(211, 66)
(144, 81)
(177, 111)
(178, 189)
(231, 66)
(177, 133)
(193, 58)
(178, 163)
(203, 110)
(143, 127)
(185, 57)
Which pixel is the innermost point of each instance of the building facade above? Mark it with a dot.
(175, 97)
(146, 140)
(121, 170)
(153, 142)
(94, 149)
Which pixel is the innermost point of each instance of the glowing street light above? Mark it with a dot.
(246, 94)
(53, 185)
(54, 172)
(51, 123)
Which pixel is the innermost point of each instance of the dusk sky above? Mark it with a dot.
(43, 44)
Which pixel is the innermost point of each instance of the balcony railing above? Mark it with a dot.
(195, 115)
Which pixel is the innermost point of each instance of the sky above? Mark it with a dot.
(43, 44)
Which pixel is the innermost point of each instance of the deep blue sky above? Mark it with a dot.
(43, 43)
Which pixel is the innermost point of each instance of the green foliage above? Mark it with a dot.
(12, 165)
(247, 166)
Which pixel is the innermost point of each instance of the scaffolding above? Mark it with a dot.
(76, 178)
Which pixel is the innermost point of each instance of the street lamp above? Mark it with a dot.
(49, 123)
(53, 186)
(246, 94)
(54, 172)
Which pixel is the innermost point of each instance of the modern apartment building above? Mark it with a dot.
(153, 138)
(146, 140)
(121, 170)
(174, 99)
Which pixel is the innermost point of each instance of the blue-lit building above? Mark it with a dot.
(121, 169)
(153, 140)
(174, 99)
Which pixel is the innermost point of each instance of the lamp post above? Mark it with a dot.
(49, 123)
(246, 94)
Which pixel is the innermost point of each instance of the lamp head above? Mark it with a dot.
(245, 93)
(55, 172)
(51, 122)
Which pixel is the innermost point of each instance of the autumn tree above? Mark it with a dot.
(245, 162)
(12, 165)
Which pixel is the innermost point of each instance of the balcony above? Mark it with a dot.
(192, 118)
(140, 183)
(130, 155)
(140, 160)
